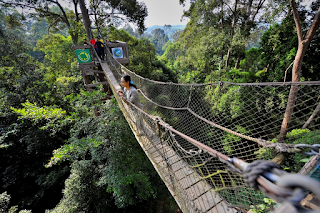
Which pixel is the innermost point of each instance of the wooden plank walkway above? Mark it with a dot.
(190, 191)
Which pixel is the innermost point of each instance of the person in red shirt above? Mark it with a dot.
(93, 42)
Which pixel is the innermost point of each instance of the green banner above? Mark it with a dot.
(84, 56)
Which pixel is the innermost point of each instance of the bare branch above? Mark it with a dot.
(296, 19)
(45, 12)
(313, 28)
(315, 112)
(229, 8)
(52, 24)
(65, 18)
(285, 73)
(261, 2)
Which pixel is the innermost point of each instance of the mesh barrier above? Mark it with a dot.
(231, 118)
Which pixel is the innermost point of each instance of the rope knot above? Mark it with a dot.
(255, 169)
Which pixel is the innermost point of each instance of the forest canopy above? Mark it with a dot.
(57, 156)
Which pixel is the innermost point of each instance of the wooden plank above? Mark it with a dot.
(156, 152)
(91, 72)
(209, 200)
(222, 207)
(123, 60)
(198, 189)
(96, 84)
(158, 159)
(179, 165)
(152, 150)
(87, 65)
(174, 159)
(117, 44)
(185, 171)
(166, 149)
(111, 77)
(189, 180)
(309, 166)
(76, 47)
(311, 201)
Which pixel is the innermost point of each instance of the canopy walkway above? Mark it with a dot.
(183, 123)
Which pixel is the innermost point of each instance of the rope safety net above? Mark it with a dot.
(238, 120)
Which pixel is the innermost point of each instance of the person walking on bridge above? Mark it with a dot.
(130, 93)
(100, 48)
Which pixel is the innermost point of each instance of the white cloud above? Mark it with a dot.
(161, 12)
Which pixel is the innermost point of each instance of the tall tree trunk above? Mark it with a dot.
(302, 48)
(85, 18)
(234, 19)
(249, 9)
(221, 5)
(75, 3)
(97, 24)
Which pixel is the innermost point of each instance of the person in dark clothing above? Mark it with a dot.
(100, 50)
(100, 39)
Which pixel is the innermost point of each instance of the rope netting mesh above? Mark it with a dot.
(237, 120)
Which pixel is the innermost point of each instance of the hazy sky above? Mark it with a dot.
(161, 12)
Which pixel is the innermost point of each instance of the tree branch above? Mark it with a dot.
(261, 2)
(296, 19)
(63, 12)
(229, 8)
(285, 73)
(41, 10)
(315, 112)
(313, 28)
(53, 24)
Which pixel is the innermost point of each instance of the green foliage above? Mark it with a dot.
(13, 20)
(4, 202)
(226, 102)
(172, 31)
(239, 76)
(101, 144)
(4, 205)
(235, 195)
(294, 162)
(60, 57)
(159, 39)
(44, 112)
(143, 57)
(230, 140)
(266, 207)
(171, 53)
(36, 113)
(278, 49)
(82, 193)
(202, 51)
(251, 61)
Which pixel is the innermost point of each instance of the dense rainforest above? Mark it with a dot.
(56, 156)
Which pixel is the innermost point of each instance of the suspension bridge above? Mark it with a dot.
(191, 130)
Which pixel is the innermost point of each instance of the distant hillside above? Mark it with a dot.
(167, 31)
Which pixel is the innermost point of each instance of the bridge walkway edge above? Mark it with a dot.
(189, 186)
